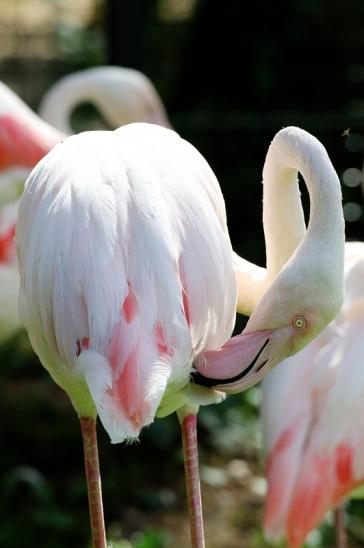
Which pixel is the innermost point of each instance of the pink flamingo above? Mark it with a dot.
(313, 439)
(128, 289)
(24, 137)
(122, 95)
(24, 140)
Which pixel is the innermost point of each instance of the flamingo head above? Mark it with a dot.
(300, 302)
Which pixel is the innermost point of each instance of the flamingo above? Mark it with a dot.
(140, 279)
(24, 137)
(122, 95)
(313, 439)
(24, 140)
(128, 289)
(301, 290)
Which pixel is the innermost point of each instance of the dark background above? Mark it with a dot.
(231, 75)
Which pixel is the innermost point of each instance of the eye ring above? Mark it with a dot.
(299, 322)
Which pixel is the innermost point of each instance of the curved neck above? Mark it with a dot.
(291, 151)
(283, 218)
(294, 150)
(121, 95)
(57, 105)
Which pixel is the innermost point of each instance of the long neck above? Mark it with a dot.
(283, 218)
(121, 95)
(251, 281)
(312, 279)
(284, 228)
(294, 150)
(57, 105)
(24, 138)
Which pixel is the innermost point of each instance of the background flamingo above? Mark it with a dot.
(24, 140)
(313, 438)
(24, 137)
(121, 95)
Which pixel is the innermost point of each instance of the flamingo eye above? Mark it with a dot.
(299, 322)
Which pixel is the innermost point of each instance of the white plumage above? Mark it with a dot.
(126, 270)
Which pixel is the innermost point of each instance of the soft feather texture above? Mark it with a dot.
(311, 404)
(126, 269)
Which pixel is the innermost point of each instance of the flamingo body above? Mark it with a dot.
(311, 408)
(126, 270)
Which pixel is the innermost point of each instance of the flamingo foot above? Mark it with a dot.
(92, 469)
(190, 453)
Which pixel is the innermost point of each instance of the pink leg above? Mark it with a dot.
(340, 529)
(92, 469)
(190, 452)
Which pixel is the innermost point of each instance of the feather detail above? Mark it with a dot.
(311, 403)
(133, 275)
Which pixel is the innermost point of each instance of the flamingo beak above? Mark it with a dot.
(235, 366)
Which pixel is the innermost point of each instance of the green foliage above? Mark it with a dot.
(147, 539)
(84, 47)
(150, 539)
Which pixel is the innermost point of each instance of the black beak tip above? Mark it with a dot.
(197, 378)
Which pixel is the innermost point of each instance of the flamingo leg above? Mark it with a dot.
(92, 469)
(340, 529)
(190, 453)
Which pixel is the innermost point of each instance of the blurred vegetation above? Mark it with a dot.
(230, 80)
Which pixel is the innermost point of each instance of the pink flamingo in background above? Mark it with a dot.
(122, 95)
(24, 137)
(24, 140)
(128, 289)
(312, 405)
